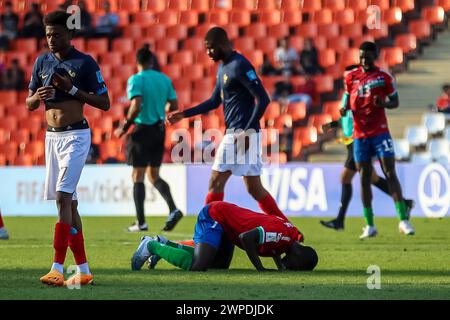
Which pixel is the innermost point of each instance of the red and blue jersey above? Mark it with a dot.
(275, 234)
(363, 88)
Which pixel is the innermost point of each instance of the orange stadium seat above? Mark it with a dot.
(232, 30)
(35, 148)
(255, 57)
(183, 57)
(382, 32)
(350, 57)
(168, 17)
(201, 57)
(290, 5)
(357, 5)
(108, 149)
(392, 56)
(244, 5)
(329, 30)
(283, 121)
(21, 56)
(144, 18)
(324, 83)
(267, 45)
(97, 46)
(116, 112)
(200, 5)
(296, 149)
(205, 84)
(320, 42)
(200, 96)
(266, 5)
(244, 44)
(10, 150)
(78, 43)
(332, 108)
(122, 45)
(405, 5)
(20, 136)
(123, 71)
(194, 44)
(201, 30)
(310, 6)
(168, 45)
(392, 16)
(407, 42)
(334, 5)
(189, 18)
(324, 16)
(345, 17)
(307, 30)
(444, 4)
(156, 6)
(297, 110)
(382, 4)
(218, 17)
(193, 71)
(173, 71)
(93, 113)
(434, 15)
(106, 70)
(18, 111)
(317, 120)
(130, 6)
(272, 111)
(23, 160)
(179, 5)
(352, 30)
(298, 81)
(339, 43)
(179, 31)
(8, 97)
(292, 18)
(306, 135)
(25, 45)
(184, 98)
(279, 31)
(421, 29)
(156, 31)
(256, 30)
(181, 83)
(241, 18)
(327, 57)
(32, 123)
(270, 18)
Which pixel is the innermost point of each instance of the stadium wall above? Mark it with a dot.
(301, 189)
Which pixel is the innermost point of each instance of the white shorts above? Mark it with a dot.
(65, 156)
(227, 158)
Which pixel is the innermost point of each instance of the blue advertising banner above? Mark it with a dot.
(314, 189)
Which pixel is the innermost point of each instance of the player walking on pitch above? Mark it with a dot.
(65, 79)
(366, 91)
(149, 91)
(237, 86)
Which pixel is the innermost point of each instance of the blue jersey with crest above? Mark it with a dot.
(81, 68)
(237, 86)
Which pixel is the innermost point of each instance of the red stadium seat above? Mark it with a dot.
(382, 4)
(292, 18)
(108, 149)
(94, 113)
(266, 45)
(244, 5)
(167, 45)
(283, 121)
(296, 42)
(345, 17)
(317, 120)
(183, 57)
(25, 45)
(444, 4)
(406, 41)
(123, 45)
(307, 30)
(24, 160)
(78, 43)
(193, 71)
(232, 30)
(329, 30)
(97, 46)
(20, 136)
(335, 71)
(350, 57)
(156, 6)
(381, 32)
(35, 149)
(307, 136)
(405, 5)
(8, 97)
(421, 29)
(200, 96)
(210, 121)
(324, 83)
(297, 110)
(184, 98)
(256, 30)
(205, 84)
(357, 5)
(320, 42)
(272, 111)
(201, 30)
(266, 5)
(133, 31)
(324, 16)
(296, 149)
(270, 18)
(10, 151)
(182, 83)
(178, 31)
(434, 15)
(156, 31)
(201, 57)
(327, 57)
(339, 43)
(144, 18)
(194, 44)
(189, 18)
(18, 111)
(173, 71)
(392, 16)
(332, 108)
(32, 123)
(179, 5)
(241, 18)
(130, 6)
(200, 5)
(279, 31)
(21, 56)
(392, 56)
(217, 17)
(311, 5)
(255, 57)
(353, 30)
(124, 71)
(290, 5)
(168, 18)
(244, 44)
(334, 5)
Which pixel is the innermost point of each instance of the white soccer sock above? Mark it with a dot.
(83, 268)
(58, 267)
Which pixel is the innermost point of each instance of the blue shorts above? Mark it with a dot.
(382, 146)
(207, 230)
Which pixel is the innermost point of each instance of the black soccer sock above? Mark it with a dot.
(346, 196)
(383, 185)
(139, 198)
(164, 190)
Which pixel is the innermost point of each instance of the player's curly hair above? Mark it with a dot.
(57, 18)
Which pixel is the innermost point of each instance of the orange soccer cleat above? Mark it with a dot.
(53, 278)
(79, 279)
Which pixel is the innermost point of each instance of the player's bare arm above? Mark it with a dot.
(250, 241)
(392, 103)
(133, 112)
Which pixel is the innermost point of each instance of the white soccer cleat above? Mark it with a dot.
(368, 232)
(137, 228)
(142, 254)
(406, 228)
(4, 234)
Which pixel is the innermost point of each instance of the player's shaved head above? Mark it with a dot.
(368, 46)
(300, 258)
(217, 35)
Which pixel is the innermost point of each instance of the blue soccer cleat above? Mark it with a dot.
(142, 254)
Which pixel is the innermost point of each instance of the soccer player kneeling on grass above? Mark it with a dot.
(222, 225)
(65, 79)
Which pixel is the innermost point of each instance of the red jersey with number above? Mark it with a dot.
(276, 234)
(363, 88)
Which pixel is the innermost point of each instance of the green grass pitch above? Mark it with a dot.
(414, 267)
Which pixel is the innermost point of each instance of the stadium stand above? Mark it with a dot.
(175, 30)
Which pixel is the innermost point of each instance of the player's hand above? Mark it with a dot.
(62, 82)
(119, 132)
(379, 102)
(174, 117)
(45, 93)
(343, 112)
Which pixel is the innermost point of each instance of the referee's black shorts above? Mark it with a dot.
(350, 161)
(145, 145)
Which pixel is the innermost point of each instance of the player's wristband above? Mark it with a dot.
(126, 125)
(73, 91)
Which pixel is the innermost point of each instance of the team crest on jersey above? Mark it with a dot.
(225, 78)
(251, 75)
(273, 237)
